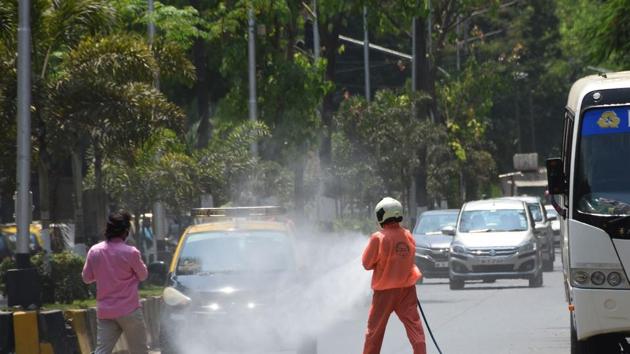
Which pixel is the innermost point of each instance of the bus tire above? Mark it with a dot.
(595, 345)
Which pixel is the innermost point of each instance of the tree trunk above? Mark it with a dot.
(77, 179)
(202, 89)
(101, 209)
(330, 41)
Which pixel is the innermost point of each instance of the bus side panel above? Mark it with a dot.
(600, 311)
(590, 247)
(623, 248)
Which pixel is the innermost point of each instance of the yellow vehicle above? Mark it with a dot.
(228, 273)
(8, 243)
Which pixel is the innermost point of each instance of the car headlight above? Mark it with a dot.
(458, 249)
(174, 297)
(528, 247)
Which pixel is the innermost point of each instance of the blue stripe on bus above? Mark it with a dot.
(601, 121)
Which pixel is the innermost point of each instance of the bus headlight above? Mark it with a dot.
(614, 279)
(598, 278)
(580, 276)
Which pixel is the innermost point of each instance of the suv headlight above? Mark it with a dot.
(528, 247)
(174, 297)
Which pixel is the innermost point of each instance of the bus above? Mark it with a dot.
(590, 189)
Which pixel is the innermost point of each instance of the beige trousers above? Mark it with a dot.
(132, 325)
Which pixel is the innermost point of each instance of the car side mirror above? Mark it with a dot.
(157, 273)
(448, 230)
(555, 176)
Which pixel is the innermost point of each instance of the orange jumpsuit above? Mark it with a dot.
(390, 254)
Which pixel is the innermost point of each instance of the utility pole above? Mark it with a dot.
(366, 54)
(158, 215)
(23, 283)
(316, 44)
(251, 36)
(23, 207)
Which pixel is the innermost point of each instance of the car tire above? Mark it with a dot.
(537, 280)
(308, 346)
(455, 283)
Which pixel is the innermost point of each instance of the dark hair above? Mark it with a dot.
(118, 224)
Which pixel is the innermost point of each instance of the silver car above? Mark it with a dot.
(432, 246)
(543, 229)
(495, 239)
(552, 215)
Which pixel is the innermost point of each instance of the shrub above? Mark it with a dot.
(63, 284)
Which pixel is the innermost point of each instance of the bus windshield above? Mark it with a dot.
(602, 177)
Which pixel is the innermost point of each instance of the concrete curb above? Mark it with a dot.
(47, 332)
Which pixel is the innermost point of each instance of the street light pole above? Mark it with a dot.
(366, 54)
(23, 207)
(251, 36)
(316, 48)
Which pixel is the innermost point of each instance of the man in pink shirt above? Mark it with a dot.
(117, 269)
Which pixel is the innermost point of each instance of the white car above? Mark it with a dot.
(552, 215)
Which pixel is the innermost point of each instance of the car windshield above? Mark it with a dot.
(601, 179)
(493, 220)
(536, 211)
(236, 252)
(434, 223)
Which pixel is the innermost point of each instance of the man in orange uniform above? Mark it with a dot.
(390, 254)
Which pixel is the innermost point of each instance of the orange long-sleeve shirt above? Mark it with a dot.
(390, 253)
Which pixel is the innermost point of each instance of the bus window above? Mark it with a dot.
(602, 185)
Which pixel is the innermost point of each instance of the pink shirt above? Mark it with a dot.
(117, 269)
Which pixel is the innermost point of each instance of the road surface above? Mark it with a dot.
(500, 318)
(504, 317)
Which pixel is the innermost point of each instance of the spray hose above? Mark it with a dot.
(429, 328)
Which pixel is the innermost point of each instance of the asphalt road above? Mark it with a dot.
(500, 318)
(504, 317)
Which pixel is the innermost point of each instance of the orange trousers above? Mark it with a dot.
(403, 301)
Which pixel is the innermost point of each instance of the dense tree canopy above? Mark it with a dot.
(166, 120)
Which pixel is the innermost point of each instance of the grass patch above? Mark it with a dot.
(145, 291)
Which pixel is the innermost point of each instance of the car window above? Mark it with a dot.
(434, 223)
(493, 220)
(536, 211)
(238, 251)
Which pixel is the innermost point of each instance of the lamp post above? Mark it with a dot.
(23, 283)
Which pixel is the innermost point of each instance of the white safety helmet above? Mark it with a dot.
(388, 209)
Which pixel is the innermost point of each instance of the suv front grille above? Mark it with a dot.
(492, 251)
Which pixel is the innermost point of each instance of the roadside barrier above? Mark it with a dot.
(68, 332)
(7, 340)
(26, 333)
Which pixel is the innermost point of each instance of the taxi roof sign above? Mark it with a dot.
(257, 211)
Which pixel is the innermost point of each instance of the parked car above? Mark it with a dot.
(432, 245)
(552, 215)
(495, 239)
(543, 229)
